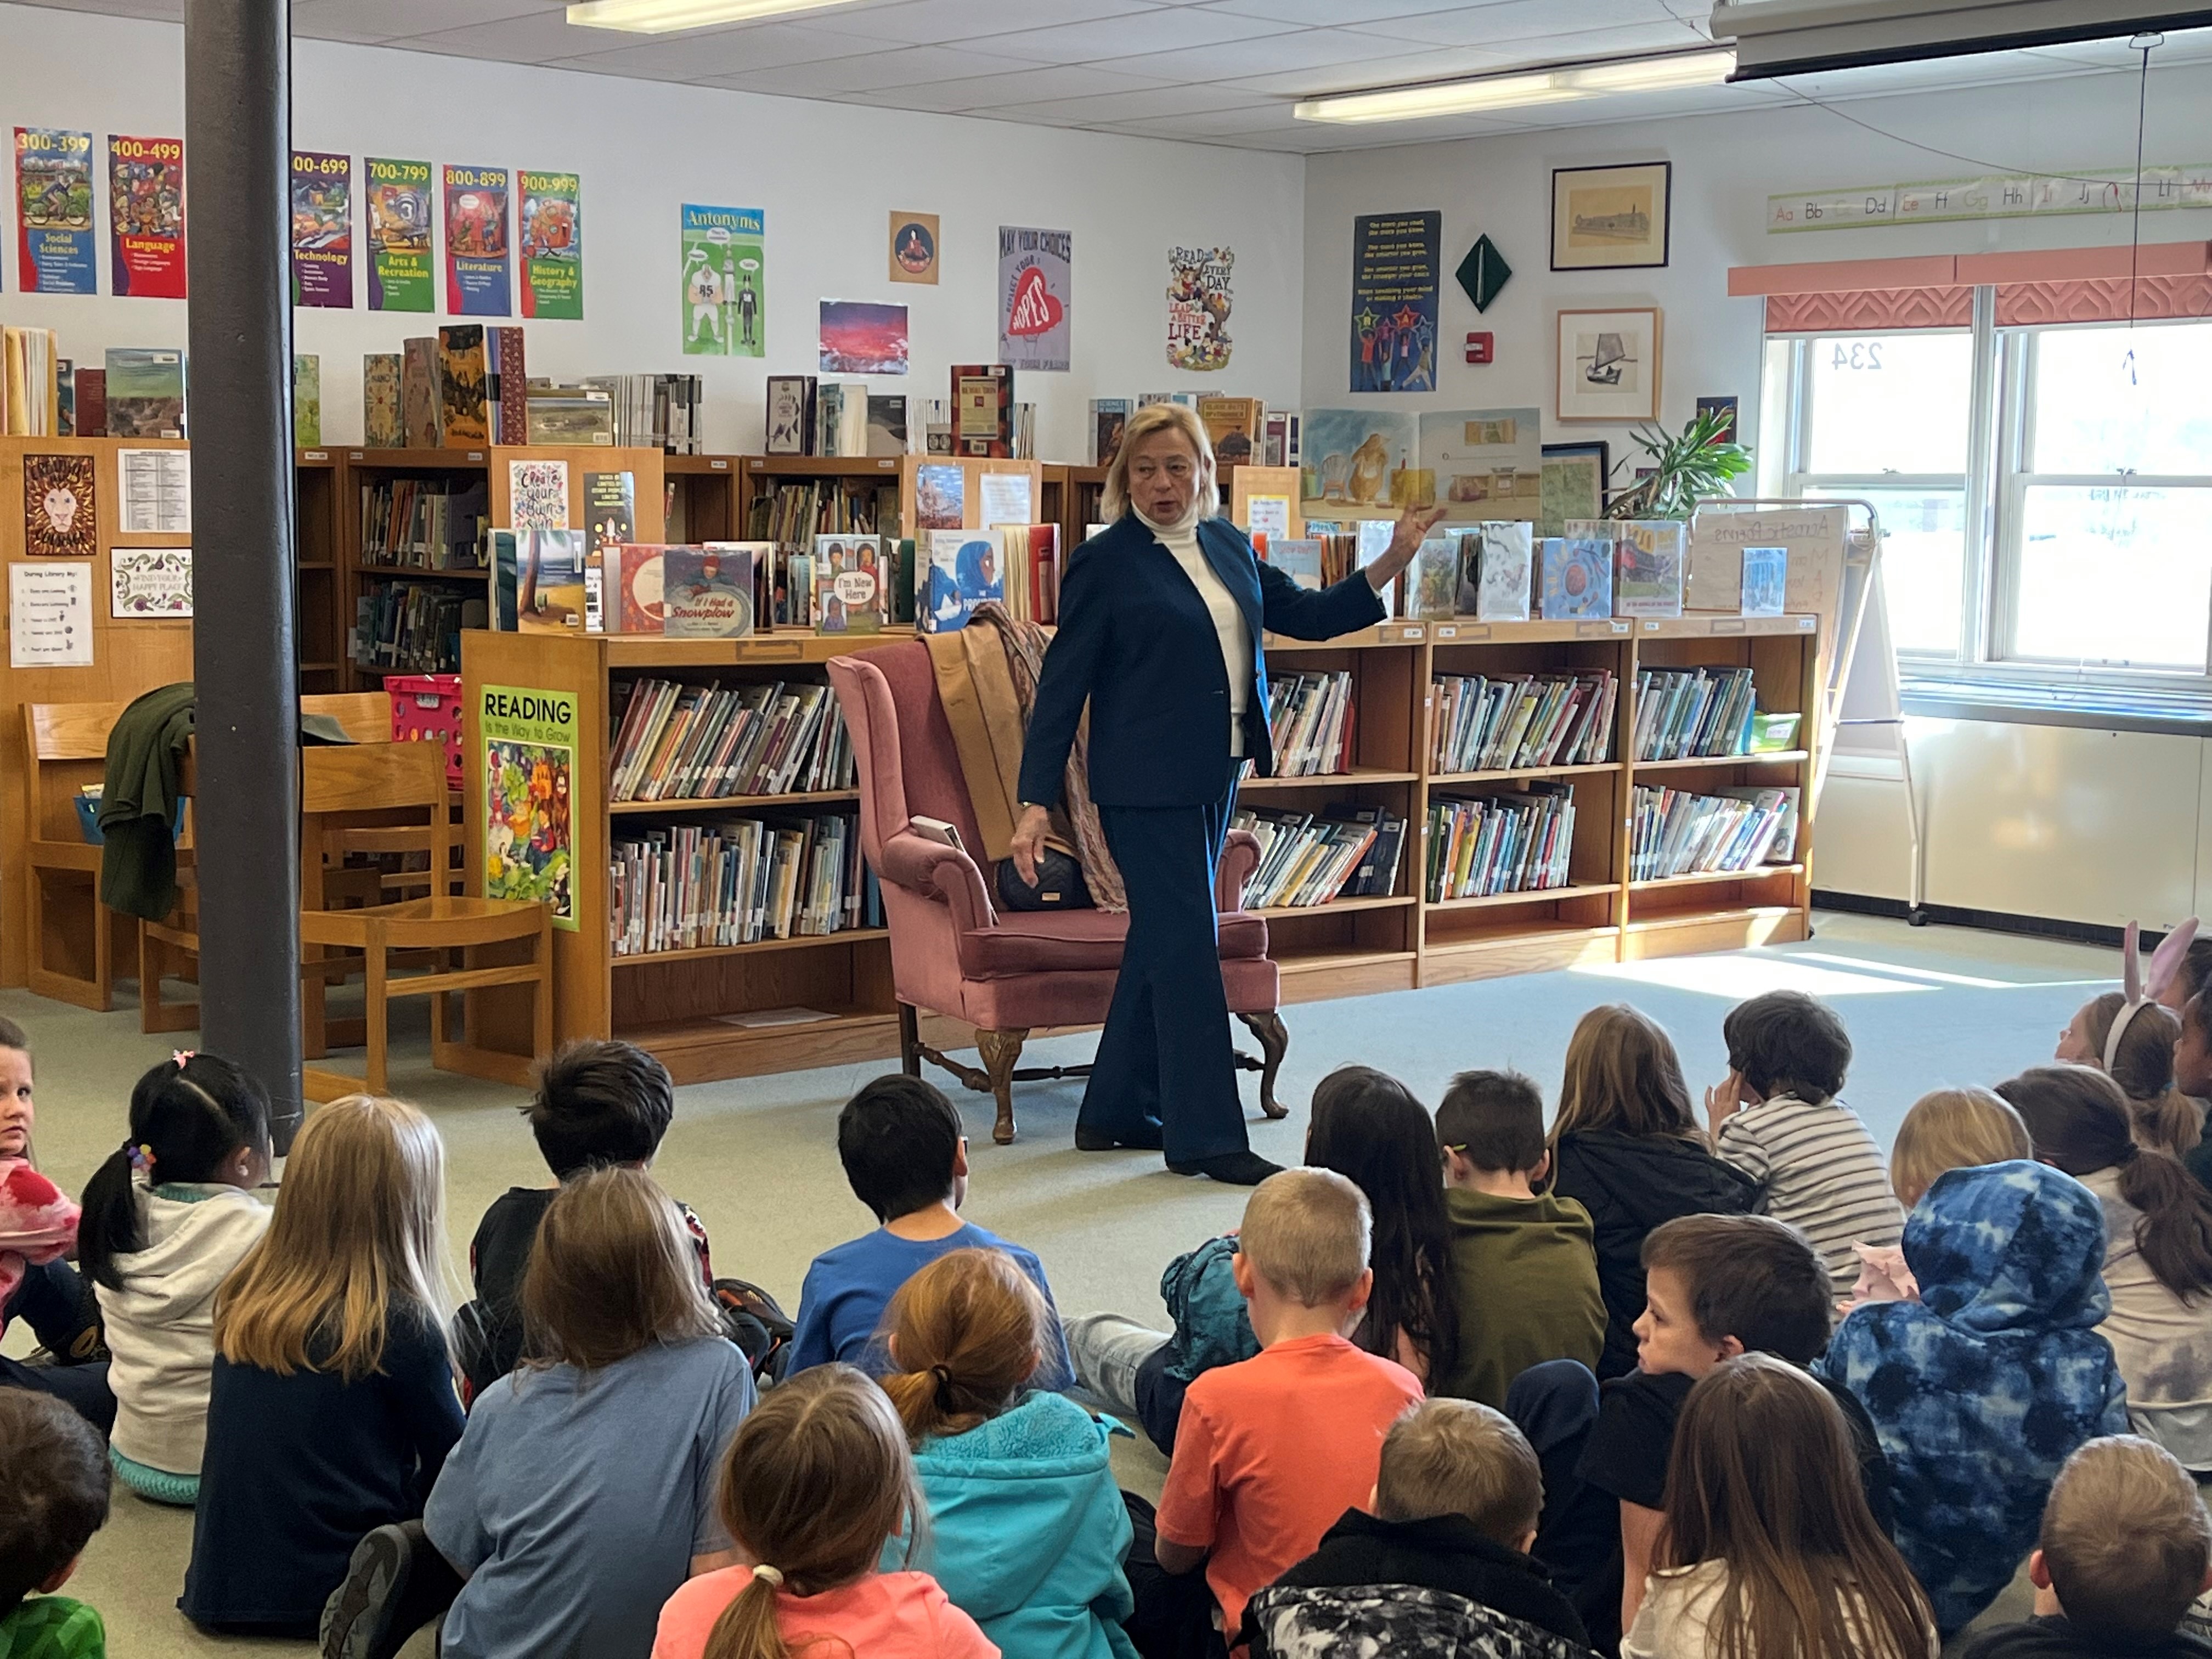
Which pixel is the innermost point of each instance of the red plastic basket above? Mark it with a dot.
(427, 708)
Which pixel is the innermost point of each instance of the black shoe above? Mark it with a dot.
(1246, 1169)
(396, 1583)
(1090, 1140)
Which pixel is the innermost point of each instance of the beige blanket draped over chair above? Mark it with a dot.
(986, 678)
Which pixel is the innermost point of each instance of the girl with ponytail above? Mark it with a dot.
(2158, 1262)
(166, 1217)
(1027, 1530)
(814, 1484)
(2138, 1056)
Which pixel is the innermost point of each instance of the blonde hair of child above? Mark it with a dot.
(1954, 1129)
(1460, 1457)
(967, 1334)
(2162, 1117)
(813, 1482)
(1307, 1233)
(613, 1271)
(358, 1236)
(2125, 1539)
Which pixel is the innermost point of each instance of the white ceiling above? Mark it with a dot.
(1217, 71)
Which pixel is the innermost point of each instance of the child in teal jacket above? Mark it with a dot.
(1026, 1528)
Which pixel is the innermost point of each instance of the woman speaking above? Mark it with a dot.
(1160, 616)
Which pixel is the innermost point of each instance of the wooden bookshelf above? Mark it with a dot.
(1070, 498)
(676, 1003)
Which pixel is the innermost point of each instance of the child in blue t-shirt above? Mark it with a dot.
(900, 1142)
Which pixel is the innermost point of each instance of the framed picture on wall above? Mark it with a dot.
(1575, 475)
(1611, 218)
(1609, 364)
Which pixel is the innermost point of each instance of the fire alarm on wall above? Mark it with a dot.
(1479, 348)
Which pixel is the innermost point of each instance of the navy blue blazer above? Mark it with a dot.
(1137, 641)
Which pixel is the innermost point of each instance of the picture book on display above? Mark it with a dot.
(849, 584)
(707, 593)
(632, 575)
(1300, 559)
(379, 401)
(307, 401)
(92, 402)
(887, 423)
(1435, 579)
(964, 572)
(418, 392)
(610, 506)
(1765, 580)
(841, 423)
(145, 393)
(577, 416)
(1109, 416)
(1648, 576)
(1578, 571)
(790, 414)
(549, 581)
(1233, 425)
(1503, 582)
(983, 410)
(462, 413)
(506, 387)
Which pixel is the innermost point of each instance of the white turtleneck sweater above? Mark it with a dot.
(1181, 539)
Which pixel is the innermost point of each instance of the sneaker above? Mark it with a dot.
(396, 1583)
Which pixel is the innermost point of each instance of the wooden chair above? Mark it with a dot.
(383, 777)
(74, 939)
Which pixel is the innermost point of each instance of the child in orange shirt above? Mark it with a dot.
(1270, 1452)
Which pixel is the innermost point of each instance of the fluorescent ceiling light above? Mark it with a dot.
(1522, 90)
(666, 16)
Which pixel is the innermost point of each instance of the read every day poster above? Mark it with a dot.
(529, 737)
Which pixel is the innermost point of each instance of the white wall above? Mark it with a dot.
(828, 176)
(1724, 167)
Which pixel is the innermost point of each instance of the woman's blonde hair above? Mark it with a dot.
(2163, 1117)
(613, 1271)
(967, 1332)
(1149, 422)
(1954, 1129)
(1622, 1073)
(813, 1483)
(358, 1238)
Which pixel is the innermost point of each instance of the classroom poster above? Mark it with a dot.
(1198, 307)
(724, 282)
(530, 760)
(53, 212)
(862, 337)
(914, 248)
(50, 614)
(399, 231)
(477, 279)
(551, 227)
(146, 216)
(150, 583)
(58, 511)
(322, 229)
(1394, 260)
(1036, 308)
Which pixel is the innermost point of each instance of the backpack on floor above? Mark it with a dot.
(752, 1319)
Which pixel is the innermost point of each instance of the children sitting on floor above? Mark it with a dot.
(1769, 1548)
(166, 1219)
(332, 1406)
(1986, 1384)
(1947, 1129)
(1523, 1271)
(54, 1498)
(1776, 1117)
(1369, 1129)
(1454, 1513)
(900, 1141)
(813, 1485)
(2125, 1547)
(2158, 1251)
(596, 1103)
(582, 1493)
(1716, 1286)
(1626, 1147)
(1025, 1528)
(37, 1233)
(2142, 1063)
(1273, 1450)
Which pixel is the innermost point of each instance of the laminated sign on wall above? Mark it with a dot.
(1034, 325)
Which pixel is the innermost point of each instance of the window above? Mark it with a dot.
(2068, 540)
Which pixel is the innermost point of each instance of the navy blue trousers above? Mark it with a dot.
(1165, 1072)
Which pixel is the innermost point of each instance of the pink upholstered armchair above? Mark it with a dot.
(953, 952)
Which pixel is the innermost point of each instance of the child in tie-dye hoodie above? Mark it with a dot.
(1982, 1388)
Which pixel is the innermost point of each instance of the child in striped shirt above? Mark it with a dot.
(1776, 1117)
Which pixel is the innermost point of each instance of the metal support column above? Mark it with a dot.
(238, 131)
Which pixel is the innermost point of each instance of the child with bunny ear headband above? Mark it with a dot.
(2131, 1035)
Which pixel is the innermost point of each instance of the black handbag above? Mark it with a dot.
(1059, 885)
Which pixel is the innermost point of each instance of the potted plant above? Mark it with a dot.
(1686, 468)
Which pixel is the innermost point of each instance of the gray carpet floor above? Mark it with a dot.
(756, 1158)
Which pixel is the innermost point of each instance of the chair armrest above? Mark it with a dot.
(1239, 857)
(936, 870)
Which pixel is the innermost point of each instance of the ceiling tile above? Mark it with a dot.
(543, 36)
(1182, 29)
(1527, 31)
(696, 56)
(1379, 70)
(933, 22)
(391, 20)
(1028, 84)
(1524, 20)
(877, 71)
(1136, 106)
(1325, 13)
(169, 11)
(1272, 54)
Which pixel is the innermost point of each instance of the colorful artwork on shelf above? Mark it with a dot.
(537, 494)
(530, 760)
(1357, 463)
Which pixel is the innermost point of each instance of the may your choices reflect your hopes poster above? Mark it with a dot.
(1035, 303)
